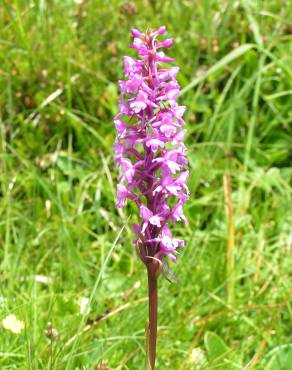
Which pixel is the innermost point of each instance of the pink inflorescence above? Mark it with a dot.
(149, 148)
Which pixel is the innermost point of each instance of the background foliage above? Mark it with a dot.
(63, 242)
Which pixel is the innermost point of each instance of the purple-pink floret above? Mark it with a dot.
(149, 148)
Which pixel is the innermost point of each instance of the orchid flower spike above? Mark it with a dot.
(149, 147)
(151, 154)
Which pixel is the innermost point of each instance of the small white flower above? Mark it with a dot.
(198, 357)
(11, 184)
(137, 284)
(48, 205)
(13, 324)
(84, 305)
(42, 279)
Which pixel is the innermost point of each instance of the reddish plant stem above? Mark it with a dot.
(153, 299)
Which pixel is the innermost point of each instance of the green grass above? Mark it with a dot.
(59, 66)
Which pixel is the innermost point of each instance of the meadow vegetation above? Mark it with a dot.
(67, 256)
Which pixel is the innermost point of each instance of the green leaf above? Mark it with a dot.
(219, 354)
(215, 346)
(280, 358)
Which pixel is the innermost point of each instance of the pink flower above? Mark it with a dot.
(149, 148)
(149, 217)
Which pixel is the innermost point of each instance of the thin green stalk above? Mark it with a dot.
(231, 239)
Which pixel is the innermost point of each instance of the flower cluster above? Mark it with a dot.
(149, 148)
